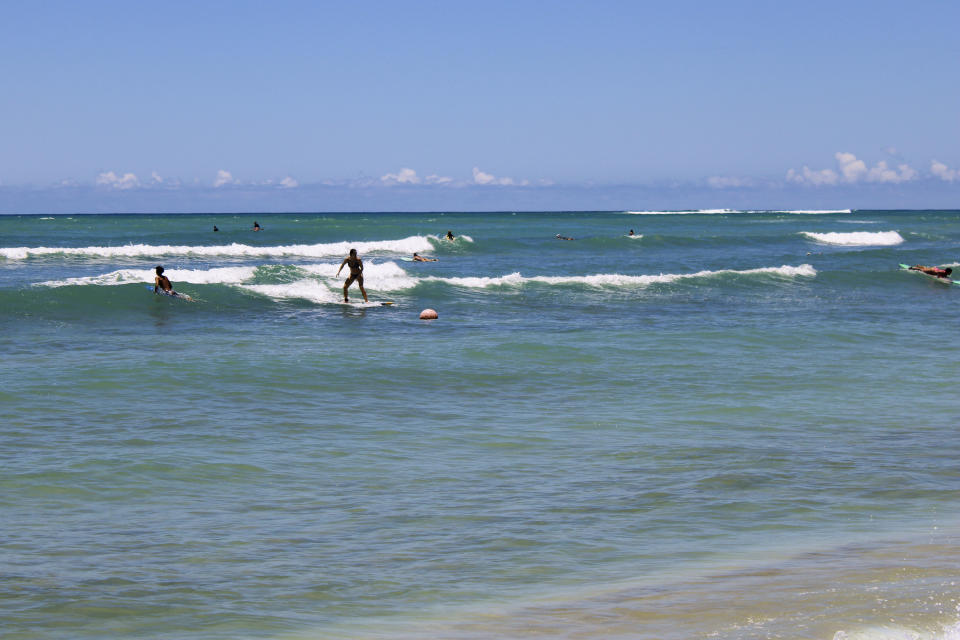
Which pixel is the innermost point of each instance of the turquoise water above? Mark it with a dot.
(729, 390)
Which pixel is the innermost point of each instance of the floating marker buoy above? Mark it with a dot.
(428, 314)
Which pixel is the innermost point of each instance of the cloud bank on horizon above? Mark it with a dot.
(850, 170)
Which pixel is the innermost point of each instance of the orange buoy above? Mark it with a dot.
(428, 314)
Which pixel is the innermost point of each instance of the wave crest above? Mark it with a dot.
(235, 250)
(856, 238)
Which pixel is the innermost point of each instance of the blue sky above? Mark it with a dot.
(235, 106)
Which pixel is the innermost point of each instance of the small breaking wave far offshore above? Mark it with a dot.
(856, 238)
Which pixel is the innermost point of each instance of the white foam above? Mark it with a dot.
(324, 250)
(856, 238)
(617, 280)
(220, 275)
(383, 276)
(949, 631)
(308, 290)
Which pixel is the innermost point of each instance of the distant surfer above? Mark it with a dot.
(418, 258)
(631, 232)
(256, 226)
(560, 237)
(356, 273)
(449, 235)
(933, 271)
(163, 282)
(215, 228)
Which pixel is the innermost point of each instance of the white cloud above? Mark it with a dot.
(723, 182)
(851, 171)
(482, 178)
(435, 179)
(157, 179)
(944, 172)
(881, 173)
(113, 181)
(223, 177)
(289, 183)
(815, 178)
(479, 177)
(404, 176)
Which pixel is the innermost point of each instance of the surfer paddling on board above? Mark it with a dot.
(419, 258)
(356, 273)
(163, 282)
(933, 271)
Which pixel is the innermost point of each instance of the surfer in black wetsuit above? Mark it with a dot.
(356, 273)
(933, 271)
(163, 282)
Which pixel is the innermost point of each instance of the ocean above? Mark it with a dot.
(733, 424)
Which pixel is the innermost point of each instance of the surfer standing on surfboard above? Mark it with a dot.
(356, 273)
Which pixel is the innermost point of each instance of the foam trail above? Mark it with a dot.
(323, 250)
(616, 280)
(856, 238)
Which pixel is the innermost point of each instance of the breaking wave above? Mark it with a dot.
(235, 250)
(856, 238)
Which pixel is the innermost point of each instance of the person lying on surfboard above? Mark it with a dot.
(418, 258)
(933, 271)
(356, 273)
(163, 282)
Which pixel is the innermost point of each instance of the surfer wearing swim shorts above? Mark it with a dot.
(356, 273)
(163, 282)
